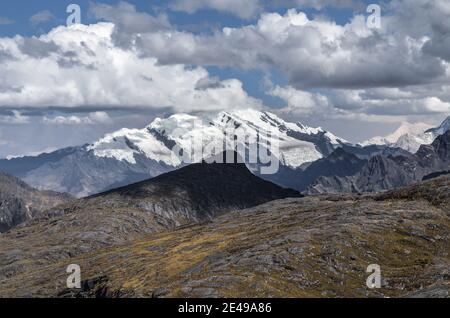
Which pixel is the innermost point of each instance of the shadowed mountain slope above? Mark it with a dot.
(197, 192)
(19, 202)
(193, 194)
(339, 163)
(386, 172)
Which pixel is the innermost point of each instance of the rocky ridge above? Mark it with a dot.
(19, 202)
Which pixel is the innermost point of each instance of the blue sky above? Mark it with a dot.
(20, 12)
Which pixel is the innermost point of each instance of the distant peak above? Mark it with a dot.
(442, 128)
(407, 128)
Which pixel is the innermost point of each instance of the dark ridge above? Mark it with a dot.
(435, 175)
(209, 186)
(198, 191)
(19, 202)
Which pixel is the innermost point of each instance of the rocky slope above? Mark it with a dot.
(301, 247)
(383, 172)
(339, 164)
(193, 194)
(20, 202)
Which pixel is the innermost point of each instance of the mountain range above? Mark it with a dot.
(411, 136)
(132, 155)
(310, 159)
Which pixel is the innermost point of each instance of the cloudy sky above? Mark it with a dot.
(324, 63)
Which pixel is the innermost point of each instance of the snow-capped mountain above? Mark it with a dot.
(442, 129)
(158, 140)
(132, 155)
(410, 136)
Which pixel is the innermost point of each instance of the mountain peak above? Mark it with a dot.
(442, 128)
(158, 139)
(407, 128)
(408, 136)
(199, 191)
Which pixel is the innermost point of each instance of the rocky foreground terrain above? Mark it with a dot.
(297, 247)
(193, 194)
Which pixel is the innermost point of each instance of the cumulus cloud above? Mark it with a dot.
(301, 102)
(91, 119)
(375, 103)
(313, 53)
(36, 48)
(128, 21)
(391, 102)
(399, 69)
(82, 66)
(243, 9)
(125, 16)
(208, 82)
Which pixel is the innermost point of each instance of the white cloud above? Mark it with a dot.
(369, 104)
(319, 4)
(82, 66)
(99, 117)
(311, 52)
(125, 16)
(403, 103)
(377, 72)
(250, 8)
(243, 9)
(91, 119)
(33, 153)
(301, 102)
(41, 17)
